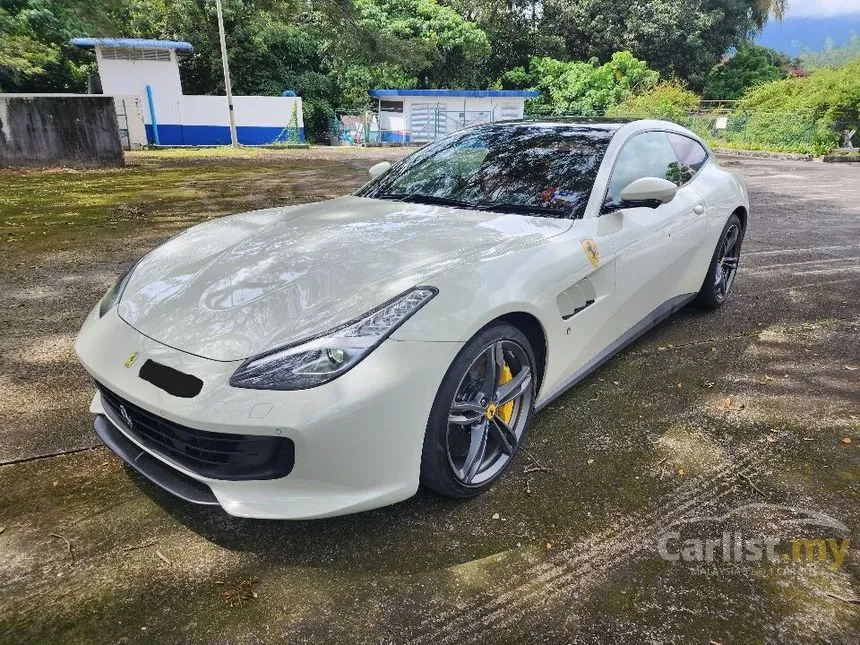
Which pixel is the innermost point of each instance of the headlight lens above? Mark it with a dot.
(324, 358)
(111, 298)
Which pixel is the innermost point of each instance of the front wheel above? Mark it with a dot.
(480, 414)
(724, 266)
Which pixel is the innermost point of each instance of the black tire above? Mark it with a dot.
(439, 466)
(720, 278)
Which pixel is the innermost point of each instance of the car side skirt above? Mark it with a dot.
(651, 320)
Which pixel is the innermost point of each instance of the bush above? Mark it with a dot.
(806, 114)
(669, 100)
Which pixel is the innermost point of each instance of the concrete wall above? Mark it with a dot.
(58, 130)
(204, 120)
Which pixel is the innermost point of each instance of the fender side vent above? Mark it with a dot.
(170, 380)
(587, 304)
(575, 298)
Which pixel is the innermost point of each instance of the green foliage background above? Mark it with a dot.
(587, 57)
(751, 65)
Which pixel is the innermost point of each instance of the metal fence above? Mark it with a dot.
(780, 131)
(723, 123)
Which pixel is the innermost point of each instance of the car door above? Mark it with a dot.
(653, 246)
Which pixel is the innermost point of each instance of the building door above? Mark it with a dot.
(419, 122)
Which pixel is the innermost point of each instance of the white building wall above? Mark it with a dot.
(130, 109)
(251, 111)
(132, 76)
(191, 120)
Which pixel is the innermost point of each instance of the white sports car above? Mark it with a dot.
(327, 358)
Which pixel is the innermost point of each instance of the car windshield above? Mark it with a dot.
(543, 170)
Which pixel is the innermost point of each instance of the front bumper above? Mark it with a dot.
(357, 439)
(154, 470)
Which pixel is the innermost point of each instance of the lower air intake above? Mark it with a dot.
(210, 454)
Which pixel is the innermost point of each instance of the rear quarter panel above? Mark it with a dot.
(723, 193)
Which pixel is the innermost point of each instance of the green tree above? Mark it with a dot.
(514, 29)
(426, 39)
(807, 112)
(682, 39)
(35, 54)
(583, 88)
(763, 9)
(750, 66)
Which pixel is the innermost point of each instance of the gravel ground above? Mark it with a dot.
(742, 420)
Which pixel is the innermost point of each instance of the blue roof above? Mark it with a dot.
(526, 94)
(133, 43)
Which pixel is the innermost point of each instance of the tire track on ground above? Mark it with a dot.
(573, 583)
(561, 571)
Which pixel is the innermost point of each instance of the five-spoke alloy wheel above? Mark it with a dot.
(724, 265)
(480, 414)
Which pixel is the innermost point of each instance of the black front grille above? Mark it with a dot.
(210, 454)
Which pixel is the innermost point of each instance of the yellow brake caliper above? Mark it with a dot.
(507, 410)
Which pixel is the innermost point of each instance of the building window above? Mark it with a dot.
(391, 106)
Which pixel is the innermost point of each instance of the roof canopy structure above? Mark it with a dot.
(527, 94)
(133, 43)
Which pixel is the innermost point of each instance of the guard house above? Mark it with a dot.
(424, 115)
(145, 74)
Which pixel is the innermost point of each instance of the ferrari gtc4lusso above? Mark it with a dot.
(314, 360)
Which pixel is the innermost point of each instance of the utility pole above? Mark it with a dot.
(227, 86)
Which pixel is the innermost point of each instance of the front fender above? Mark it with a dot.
(535, 282)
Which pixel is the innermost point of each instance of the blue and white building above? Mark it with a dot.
(146, 73)
(423, 115)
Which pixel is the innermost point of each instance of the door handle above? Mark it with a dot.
(698, 209)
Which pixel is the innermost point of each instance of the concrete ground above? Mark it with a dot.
(752, 409)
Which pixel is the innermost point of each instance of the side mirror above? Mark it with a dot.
(648, 191)
(378, 169)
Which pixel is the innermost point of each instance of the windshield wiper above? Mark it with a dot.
(521, 209)
(425, 199)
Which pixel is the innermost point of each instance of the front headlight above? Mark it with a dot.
(323, 358)
(113, 295)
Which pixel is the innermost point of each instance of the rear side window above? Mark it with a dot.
(691, 155)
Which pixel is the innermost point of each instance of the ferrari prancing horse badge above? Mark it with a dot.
(592, 251)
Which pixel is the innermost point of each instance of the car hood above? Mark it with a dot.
(237, 286)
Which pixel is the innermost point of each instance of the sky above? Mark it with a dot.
(808, 24)
(822, 8)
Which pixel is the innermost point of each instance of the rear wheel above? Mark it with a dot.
(480, 414)
(724, 266)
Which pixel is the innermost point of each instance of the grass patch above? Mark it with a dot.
(158, 192)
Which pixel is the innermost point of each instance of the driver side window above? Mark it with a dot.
(646, 155)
